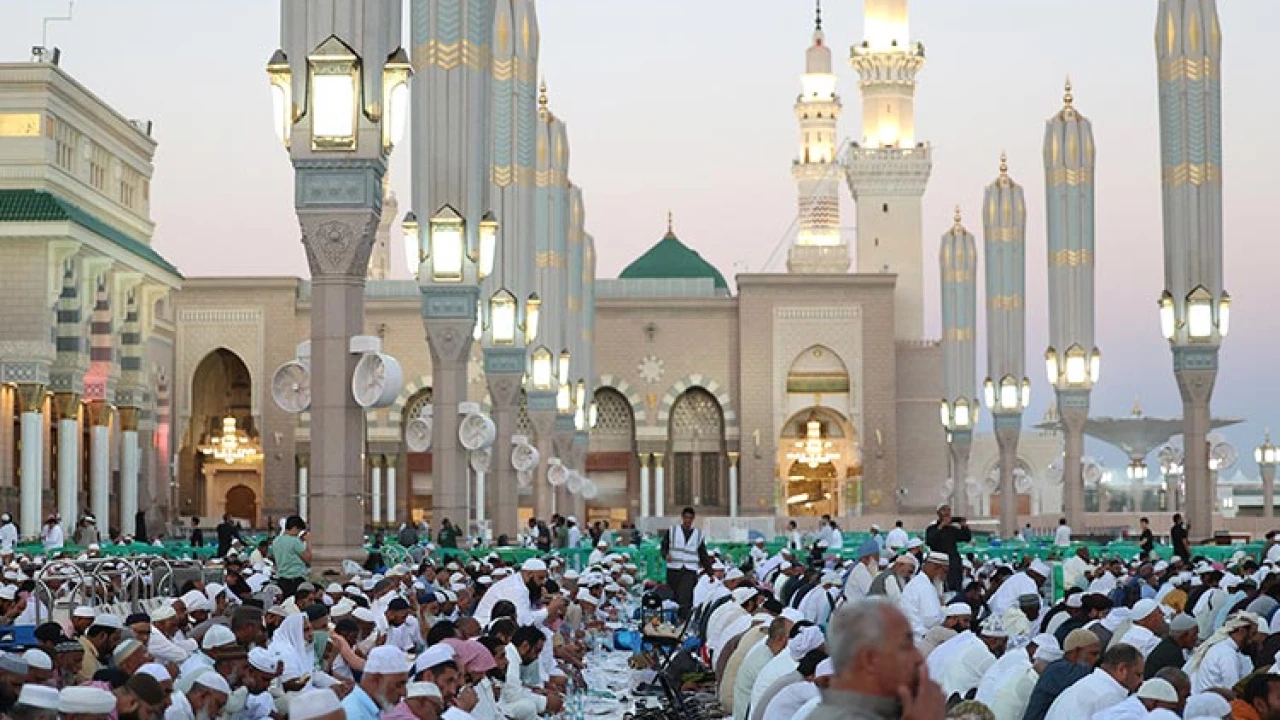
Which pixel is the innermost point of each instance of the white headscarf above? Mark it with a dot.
(290, 645)
(1235, 622)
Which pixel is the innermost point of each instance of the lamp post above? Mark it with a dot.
(1267, 456)
(1195, 310)
(1006, 390)
(958, 258)
(338, 89)
(1072, 362)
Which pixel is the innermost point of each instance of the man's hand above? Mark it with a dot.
(925, 702)
(466, 699)
(555, 703)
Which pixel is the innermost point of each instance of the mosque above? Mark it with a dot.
(808, 392)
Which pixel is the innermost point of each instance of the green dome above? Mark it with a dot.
(671, 258)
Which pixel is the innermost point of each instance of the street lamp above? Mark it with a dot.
(284, 112)
(488, 246)
(334, 71)
(542, 377)
(395, 97)
(532, 310)
(1136, 471)
(1267, 456)
(502, 317)
(446, 247)
(563, 368)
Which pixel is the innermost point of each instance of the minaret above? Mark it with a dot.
(380, 257)
(958, 262)
(1072, 360)
(888, 170)
(1194, 308)
(1006, 391)
(818, 247)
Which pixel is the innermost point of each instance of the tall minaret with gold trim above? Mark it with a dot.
(889, 169)
(818, 247)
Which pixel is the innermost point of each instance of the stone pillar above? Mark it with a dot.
(449, 314)
(480, 499)
(1008, 428)
(129, 468)
(303, 486)
(31, 400)
(393, 514)
(100, 463)
(1171, 493)
(375, 491)
(659, 486)
(733, 484)
(504, 371)
(563, 502)
(1073, 408)
(1196, 370)
(581, 443)
(961, 446)
(644, 485)
(542, 412)
(68, 408)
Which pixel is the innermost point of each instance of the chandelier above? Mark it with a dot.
(814, 449)
(232, 445)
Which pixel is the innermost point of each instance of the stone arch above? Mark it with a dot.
(615, 430)
(696, 380)
(633, 398)
(696, 448)
(205, 330)
(411, 388)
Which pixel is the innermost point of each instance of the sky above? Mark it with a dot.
(686, 106)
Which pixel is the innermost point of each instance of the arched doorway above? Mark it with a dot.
(221, 448)
(611, 458)
(419, 464)
(242, 503)
(820, 462)
(696, 452)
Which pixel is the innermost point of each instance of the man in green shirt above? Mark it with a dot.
(291, 555)
(448, 537)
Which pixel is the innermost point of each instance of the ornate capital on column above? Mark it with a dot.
(304, 461)
(1196, 369)
(657, 460)
(129, 418)
(542, 412)
(99, 412)
(1073, 408)
(504, 370)
(375, 461)
(338, 243)
(449, 314)
(30, 397)
(67, 405)
(733, 458)
(645, 459)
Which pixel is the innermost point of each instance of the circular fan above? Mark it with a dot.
(589, 489)
(574, 483)
(992, 480)
(417, 434)
(524, 477)
(1223, 456)
(524, 457)
(1092, 470)
(377, 381)
(1169, 455)
(481, 460)
(476, 432)
(972, 490)
(1021, 481)
(291, 387)
(557, 473)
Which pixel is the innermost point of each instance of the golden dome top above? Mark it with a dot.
(1067, 97)
(1004, 164)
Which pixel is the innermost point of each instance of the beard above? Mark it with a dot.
(535, 591)
(129, 716)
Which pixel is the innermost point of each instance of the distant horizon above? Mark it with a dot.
(687, 107)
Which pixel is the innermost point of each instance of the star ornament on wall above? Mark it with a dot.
(650, 369)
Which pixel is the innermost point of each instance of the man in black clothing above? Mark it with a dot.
(945, 536)
(1172, 650)
(1178, 536)
(1147, 541)
(197, 535)
(227, 531)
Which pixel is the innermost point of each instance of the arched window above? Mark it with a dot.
(697, 449)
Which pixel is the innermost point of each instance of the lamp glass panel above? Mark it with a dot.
(1199, 319)
(397, 112)
(447, 251)
(1026, 393)
(563, 399)
(962, 415)
(1077, 371)
(1095, 366)
(333, 103)
(1051, 366)
(532, 310)
(280, 111)
(503, 318)
(488, 247)
(542, 376)
(989, 394)
(1168, 324)
(564, 367)
(944, 413)
(1009, 396)
(1224, 316)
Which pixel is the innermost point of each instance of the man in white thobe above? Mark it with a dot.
(1075, 569)
(1006, 687)
(1119, 675)
(922, 597)
(1223, 659)
(1027, 582)
(515, 587)
(959, 664)
(863, 573)
(1147, 626)
(897, 538)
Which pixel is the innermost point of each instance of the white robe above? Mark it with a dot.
(165, 650)
(959, 663)
(1141, 638)
(1131, 708)
(860, 579)
(719, 622)
(510, 588)
(1013, 694)
(817, 605)
(789, 700)
(897, 539)
(748, 672)
(1013, 662)
(780, 665)
(1006, 596)
(1094, 692)
(922, 604)
(1221, 667)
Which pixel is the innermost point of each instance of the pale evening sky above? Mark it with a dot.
(686, 105)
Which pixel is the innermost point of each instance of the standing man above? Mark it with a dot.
(1147, 540)
(291, 555)
(945, 536)
(1062, 536)
(51, 536)
(1178, 536)
(8, 532)
(197, 535)
(686, 552)
(227, 531)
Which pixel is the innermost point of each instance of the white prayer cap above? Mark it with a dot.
(11, 663)
(163, 612)
(938, 558)
(1206, 705)
(1142, 609)
(264, 660)
(217, 636)
(959, 609)
(744, 594)
(342, 608)
(313, 704)
(832, 578)
(109, 620)
(1159, 690)
(386, 660)
(809, 638)
(734, 574)
(1076, 600)
(1040, 568)
(792, 614)
(157, 671)
(81, 700)
(214, 682)
(533, 565)
(433, 656)
(602, 544)
(125, 649)
(1047, 648)
(38, 696)
(190, 597)
(84, 612)
(423, 690)
(213, 590)
(825, 669)
(570, 574)
(585, 596)
(364, 614)
(613, 588)
(38, 659)
(914, 543)
(200, 603)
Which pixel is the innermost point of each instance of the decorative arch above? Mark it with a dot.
(395, 412)
(696, 448)
(633, 398)
(698, 381)
(615, 430)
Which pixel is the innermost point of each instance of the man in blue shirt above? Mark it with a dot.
(381, 686)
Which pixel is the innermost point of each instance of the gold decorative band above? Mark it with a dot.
(1071, 258)
(548, 178)
(1068, 176)
(1005, 302)
(958, 334)
(502, 176)
(1004, 234)
(548, 259)
(449, 56)
(1189, 69)
(960, 275)
(1193, 173)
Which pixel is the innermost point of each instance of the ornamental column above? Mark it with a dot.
(733, 484)
(31, 474)
(131, 397)
(958, 260)
(99, 412)
(660, 486)
(340, 85)
(1006, 391)
(644, 484)
(393, 513)
(66, 381)
(303, 486)
(375, 491)
(542, 413)
(1195, 310)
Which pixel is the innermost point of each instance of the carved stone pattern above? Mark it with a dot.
(795, 329)
(24, 372)
(504, 390)
(448, 342)
(337, 188)
(337, 245)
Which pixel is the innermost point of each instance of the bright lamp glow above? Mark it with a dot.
(488, 245)
(502, 315)
(962, 414)
(532, 309)
(447, 243)
(412, 243)
(1168, 320)
(564, 399)
(1008, 394)
(1200, 314)
(580, 394)
(1095, 365)
(944, 413)
(335, 83)
(395, 100)
(580, 419)
(281, 76)
(989, 393)
(593, 415)
(1026, 393)
(1051, 365)
(564, 367)
(1224, 315)
(1077, 368)
(478, 331)
(542, 376)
